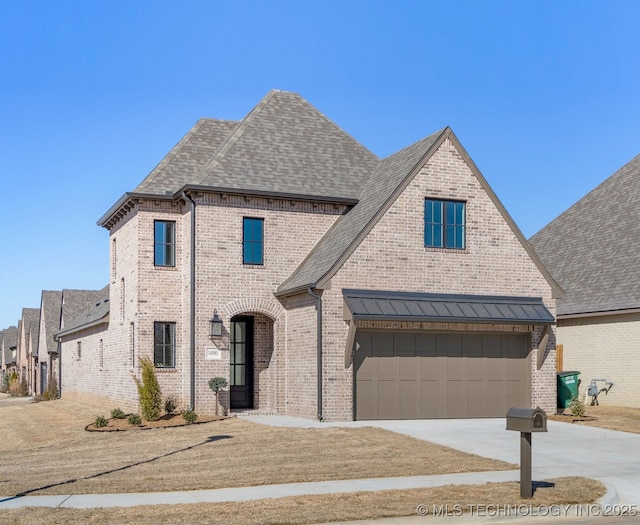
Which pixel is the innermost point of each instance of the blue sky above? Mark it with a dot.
(544, 95)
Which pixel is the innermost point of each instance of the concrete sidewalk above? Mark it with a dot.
(85, 501)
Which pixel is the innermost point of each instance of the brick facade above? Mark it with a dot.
(391, 256)
(604, 347)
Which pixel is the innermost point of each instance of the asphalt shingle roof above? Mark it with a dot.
(50, 312)
(387, 177)
(593, 248)
(76, 303)
(94, 311)
(283, 145)
(9, 339)
(31, 325)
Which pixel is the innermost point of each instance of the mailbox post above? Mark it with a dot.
(526, 421)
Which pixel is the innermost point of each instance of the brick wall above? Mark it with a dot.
(393, 257)
(604, 348)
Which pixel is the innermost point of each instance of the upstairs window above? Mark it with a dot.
(444, 224)
(164, 243)
(164, 345)
(252, 241)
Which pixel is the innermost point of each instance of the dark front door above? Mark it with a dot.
(241, 362)
(43, 377)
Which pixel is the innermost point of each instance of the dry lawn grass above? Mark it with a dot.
(613, 418)
(319, 509)
(51, 453)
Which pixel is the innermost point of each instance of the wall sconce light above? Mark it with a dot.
(215, 325)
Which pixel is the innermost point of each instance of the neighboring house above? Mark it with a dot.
(77, 305)
(82, 346)
(50, 317)
(345, 286)
(28, 333)
(593, 251)
(8, 348)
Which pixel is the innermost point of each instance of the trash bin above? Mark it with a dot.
(567, 387)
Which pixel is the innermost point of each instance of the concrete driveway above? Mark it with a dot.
(565, 450)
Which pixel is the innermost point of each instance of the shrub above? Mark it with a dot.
(134, 419)
(5, 383)
(149, 391)
(24, 387)
(14, 384)
(52, 390)
(576, 407)
(116, 413)
(215, 384)
(170, 404)
(189, 416)
(100, 422)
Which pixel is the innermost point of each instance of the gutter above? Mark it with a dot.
(192, 305)
(56, 338)
(318, 298)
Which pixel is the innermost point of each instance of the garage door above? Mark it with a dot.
(427, 375)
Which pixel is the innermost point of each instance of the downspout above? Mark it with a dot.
(318, 298)
(192, 305)
(57, 339)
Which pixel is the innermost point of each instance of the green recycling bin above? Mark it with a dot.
(567, 387)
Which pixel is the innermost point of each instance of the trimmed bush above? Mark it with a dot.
(216, 384)
(100, 422)
(149, 391)
(116, 413)
(134, 419)
(189, 416)
(170, 404)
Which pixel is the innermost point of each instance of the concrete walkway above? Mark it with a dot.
(566, 450)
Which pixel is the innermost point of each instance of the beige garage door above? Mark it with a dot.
(426, 375)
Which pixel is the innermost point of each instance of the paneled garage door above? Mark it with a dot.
(427, 375)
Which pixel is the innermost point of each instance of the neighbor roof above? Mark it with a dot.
(78, 302)
(9, 339)
(593, 248)
(50, 312)
(95, 313)
(31, 324)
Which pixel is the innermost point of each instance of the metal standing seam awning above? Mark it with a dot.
(376, 305)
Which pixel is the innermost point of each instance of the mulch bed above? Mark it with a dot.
(569, 418)
(166, 421)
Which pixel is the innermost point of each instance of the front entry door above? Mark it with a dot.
(241, 362)
(43, 377)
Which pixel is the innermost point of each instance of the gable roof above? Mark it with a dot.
(76, 303)
(391, 176)
(593, 248)
(283, 146)
(344, 234)
(31, 325)
(50, 317)
(9, 340)
(95, 313)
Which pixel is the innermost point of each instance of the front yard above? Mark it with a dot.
(47, 451)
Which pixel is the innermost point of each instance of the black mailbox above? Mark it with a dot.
(527, 419)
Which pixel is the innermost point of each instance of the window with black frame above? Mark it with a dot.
(164, 345)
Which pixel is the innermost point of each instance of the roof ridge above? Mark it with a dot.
(234, 137)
